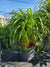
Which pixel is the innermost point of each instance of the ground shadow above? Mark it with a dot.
(16, 57)
(12, 57)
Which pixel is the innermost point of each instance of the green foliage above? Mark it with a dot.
(23, 23)
(22, 26)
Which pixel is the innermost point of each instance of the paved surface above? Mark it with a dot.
(23, 64)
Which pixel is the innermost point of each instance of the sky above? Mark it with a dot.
(9, 5)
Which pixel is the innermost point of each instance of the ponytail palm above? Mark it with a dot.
(22, 26)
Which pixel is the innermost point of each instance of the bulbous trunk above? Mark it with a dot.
(30, 44)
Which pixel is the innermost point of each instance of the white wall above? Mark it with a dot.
(4, 20)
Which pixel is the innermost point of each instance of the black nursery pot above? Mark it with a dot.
(27, 55)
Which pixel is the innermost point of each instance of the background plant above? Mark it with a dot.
(4, 37)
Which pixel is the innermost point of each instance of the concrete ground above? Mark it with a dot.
(24, 64)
